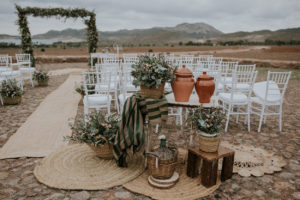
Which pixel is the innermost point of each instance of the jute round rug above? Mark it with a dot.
(185, 189)
(75, 167)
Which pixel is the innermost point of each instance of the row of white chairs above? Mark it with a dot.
(22, 67)
(235, 86)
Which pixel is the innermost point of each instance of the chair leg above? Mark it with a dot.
(265, 119)
(248, 117)
(180, 116)
(280, 117)
(32, 84)
(227, 120)
(261, 118)
(237, 115)
(86, 112)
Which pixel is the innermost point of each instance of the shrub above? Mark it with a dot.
(10, 88)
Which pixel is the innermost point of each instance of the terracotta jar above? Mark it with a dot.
(205, 87)
(183, 85)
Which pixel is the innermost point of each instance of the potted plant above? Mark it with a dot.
(208, 123)
(151, 73)
(41, 77)
(98, 133)
(11, 92)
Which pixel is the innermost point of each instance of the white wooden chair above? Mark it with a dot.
(24, 64)
(187, 60)
(172, 111)
(4, 63)
(113, 68)
(237, 100)
(202, 58)
(227, 68)
(127, 88)
(269, 97)
(97, 91)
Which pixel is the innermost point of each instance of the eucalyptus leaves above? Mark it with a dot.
(89, 20)
(207, 120)
(95, 129)
(152, 71)
(10, 88)
(41, 76)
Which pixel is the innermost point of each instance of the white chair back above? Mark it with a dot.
(202, 58)
(276, 85)
(4, 60)
(93, 79)
(245, 68)
(23, 60)
(243, 83)
(217, 60)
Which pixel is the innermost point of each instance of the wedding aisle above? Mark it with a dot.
(44, 129)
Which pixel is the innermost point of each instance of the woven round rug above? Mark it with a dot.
(185, 189)
(250, 160)
(76, 167)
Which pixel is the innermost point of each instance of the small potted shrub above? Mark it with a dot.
(151, 73)
(41, 77)
(208, 122)
(98, 133)
(11, 92)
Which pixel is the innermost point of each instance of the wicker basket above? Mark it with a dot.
(153, 92)
(209, 144)
(43, 83)
(165, 167)
(12, 100)
(103, 151)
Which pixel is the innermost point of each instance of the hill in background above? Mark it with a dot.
(196, 32)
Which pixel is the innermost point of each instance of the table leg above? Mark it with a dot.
(192, 165)
(209, 172)
(227, 167)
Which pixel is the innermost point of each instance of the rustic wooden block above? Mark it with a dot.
(209, 172)
(192, 165)
(227, 167)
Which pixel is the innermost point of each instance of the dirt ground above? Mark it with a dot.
(18, 182)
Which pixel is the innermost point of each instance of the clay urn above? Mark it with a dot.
(205, 87)
(183, 84)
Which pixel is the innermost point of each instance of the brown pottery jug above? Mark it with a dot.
(205, 87)
(183, 85)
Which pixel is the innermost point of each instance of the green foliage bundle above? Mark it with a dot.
(208, 120)
(10, 88)
(89, 20)
(40, 76)
(151, 71)
(97, 127)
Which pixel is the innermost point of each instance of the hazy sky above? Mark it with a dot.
(225, 15)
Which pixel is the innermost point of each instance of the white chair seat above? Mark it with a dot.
(102, 87)
(131, 87)
(227, 80)
(3, 69)
(27, 69)
(10, 73)
(220, 86)
(260, 101)
(97, 99)
(260, 88)
(123, 97)
(240, 86)
(237, 98)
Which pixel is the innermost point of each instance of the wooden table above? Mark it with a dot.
(209, 167)
(192, 103)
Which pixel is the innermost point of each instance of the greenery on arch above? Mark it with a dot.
(88, 17)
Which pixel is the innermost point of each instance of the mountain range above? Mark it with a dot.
(196, 32)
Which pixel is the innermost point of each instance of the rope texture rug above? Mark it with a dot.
(185, 189)
(44, 129)
(250, 160)
(76, 167)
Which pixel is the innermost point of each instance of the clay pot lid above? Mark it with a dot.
(204, 76)
(184, 72)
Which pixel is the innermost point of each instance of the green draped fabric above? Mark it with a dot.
(131, 133)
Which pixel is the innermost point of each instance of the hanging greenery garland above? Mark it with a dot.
(88, 17)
